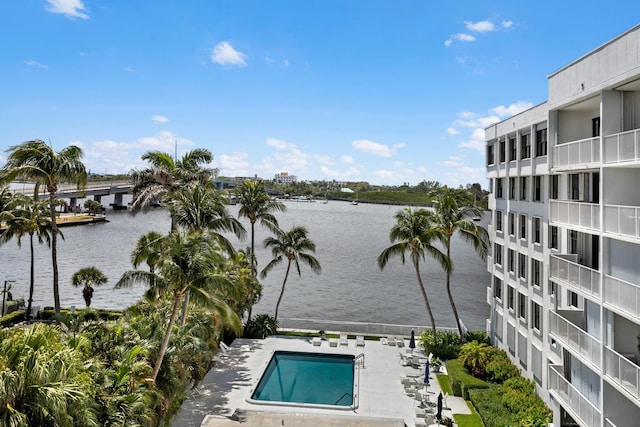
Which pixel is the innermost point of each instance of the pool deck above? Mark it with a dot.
(221, 398)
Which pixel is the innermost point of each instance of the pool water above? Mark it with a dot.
(308, 378)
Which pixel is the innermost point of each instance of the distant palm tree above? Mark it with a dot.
(88, 277)
(256, 204)
(452, 218)
(166, 176)
(149, 249)
(414, 232)
(28, 217)
(38, 162)
(293, 246)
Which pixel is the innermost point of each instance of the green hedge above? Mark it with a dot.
(48, 314)
(461, 381)
(488, 402)
(12, 318)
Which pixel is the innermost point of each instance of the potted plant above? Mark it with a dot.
(321, 333)
(436, 364)
(446, 421)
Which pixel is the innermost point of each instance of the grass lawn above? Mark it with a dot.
(443, 380)
(468, 420)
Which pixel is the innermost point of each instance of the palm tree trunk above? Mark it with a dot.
(54, 251)
(185, 305)
(453, 305)
(286, 275)
(165, 340)
(426, 301)
(252, 260)
(31, 280)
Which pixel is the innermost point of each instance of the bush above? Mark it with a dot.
(48, 313)
(480, 336)
(12, 318)
(461, 381)
(488, 402)
(261, 326)
(447, 346)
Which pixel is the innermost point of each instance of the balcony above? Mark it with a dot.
(622, 147)
(580, 408)
(575, 214)
(622, 296)
(622, 221)
(578, 277)
(575, 339)
(622, 372)
(581, 154)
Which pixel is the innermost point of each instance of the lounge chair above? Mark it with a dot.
(359, 340)
(392, 341)
(344, 340)
(333, 342)
(400, 342)
(384, 340)
(316, 341)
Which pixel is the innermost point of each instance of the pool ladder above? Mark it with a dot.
(359, 357)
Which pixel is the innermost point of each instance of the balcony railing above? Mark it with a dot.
(577, 154)
(578, 214)
(622, 295)
(622, 147)
(575, 339)
(572, 400)
(622, 372)
(622, 220)
(574, 275)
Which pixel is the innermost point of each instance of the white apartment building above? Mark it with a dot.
(285, 178)
(565, 234)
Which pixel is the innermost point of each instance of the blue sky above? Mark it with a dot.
(379, 91)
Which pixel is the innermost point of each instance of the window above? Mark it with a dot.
(502, 151)
(497, 288)
(498, 220)
(537, 188)
(537, 230)
(553, 237)
(524, 194)
(512, 224)
(536, 273)
(522, 266)
(541, 142)
(523, 226)
(522, 306)
(536, 318)
(525, 146)
(573, 242)
(512, 188)
(511, 260)
(511, 299)
(574, 192)
(490, 154)
(573, 299)
(553, 187)
(499, 193)
(512, 149)
(497, 253)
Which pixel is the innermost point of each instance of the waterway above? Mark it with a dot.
(350, 287)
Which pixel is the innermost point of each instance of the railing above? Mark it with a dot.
(609, 423)
(359, 357)
(622, 220)
(575, 339)
(622, 147)
(575, 275)
(622, 371)
(577, 154)
(622, 295)
(381, 329)
(572, 400)
(579, 214)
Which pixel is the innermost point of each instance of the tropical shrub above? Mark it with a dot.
(522, 401)
(474, 356)
(488, 402)
(480, 336)
(261, 326)
(12, 318)
(461, 381)
(447, 347)
(499, 368)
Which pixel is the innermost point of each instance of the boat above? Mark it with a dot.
(476, 218)
(354, 203)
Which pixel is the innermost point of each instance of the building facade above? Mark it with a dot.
(285, 178)
(565, 234)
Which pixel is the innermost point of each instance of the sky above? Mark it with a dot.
(389, 92)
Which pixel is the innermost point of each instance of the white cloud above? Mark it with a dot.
(236, 164)
(451, 162)
(347, 159)
(159, 119)
(507, 24)
(324, 160)
(287, 157)
(163, 141)
(278, 144)
(463, 37)
(352, 172)
(224, 54)
(480, 26)
(127, 68)
(69, 8)
(512, 109)
(475, 141)
(374, 148)
(33, 63)
(285, 63)
(452, 131)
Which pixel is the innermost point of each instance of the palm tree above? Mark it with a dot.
(88, 277)
(148, 249)
(32, 217)
(186, 265)
(452, 218)
(293, 246)
(256, 204)
(414, 232)
(166, 176)
(38, 162)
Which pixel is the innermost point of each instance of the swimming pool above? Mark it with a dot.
(308, 379)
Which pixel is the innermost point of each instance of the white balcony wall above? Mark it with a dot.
(574, 339)
(620, 186)
(622, 147)
(575, 214)
(577, 154)
(576, 276)
(572, 400)
(622, 296)
(623, 260)
(622, 372)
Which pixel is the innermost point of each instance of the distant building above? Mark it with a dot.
(565, 234)
(285, 178)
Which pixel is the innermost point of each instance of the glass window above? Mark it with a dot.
(537, 229)
(536, 272)
(512, 149)
(522, 306)
(541, 142)
(512, 188)
(511, 299)
(499, 193)
(498, 220)
(512, 224)
(536, 318)
(511, 259)
(502, 151)
(524, 190)
(523, 226)
(497, 288)
(490, 154)
(525, 146)
(554, 186)
(497, 253)
(522, 266)
(537, 188)
(553, 237)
